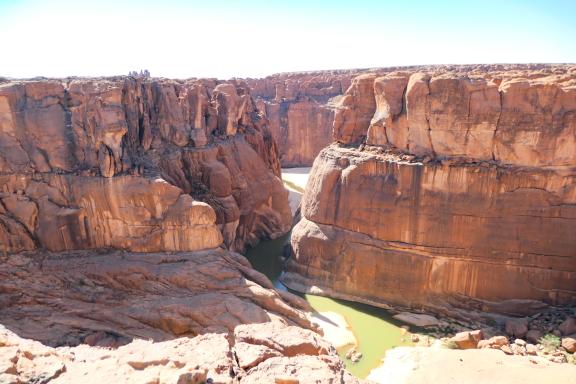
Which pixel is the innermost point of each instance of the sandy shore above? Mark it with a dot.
(336, 329)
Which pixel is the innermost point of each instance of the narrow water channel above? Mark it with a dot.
(373, 327)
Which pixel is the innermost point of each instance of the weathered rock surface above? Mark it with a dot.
(106, 298)
(81, 159)
(207, 358)
(451, 224)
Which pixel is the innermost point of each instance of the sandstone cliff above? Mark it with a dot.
(138, 164)
(451, 186)
(300, 110)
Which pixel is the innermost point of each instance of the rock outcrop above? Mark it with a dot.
(447, 188)
(257, 353)
(126, 163)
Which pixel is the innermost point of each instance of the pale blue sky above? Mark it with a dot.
(256, 38)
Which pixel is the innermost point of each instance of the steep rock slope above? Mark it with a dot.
(448, 187)
(84, 164)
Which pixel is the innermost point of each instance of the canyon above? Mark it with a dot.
(126, 204)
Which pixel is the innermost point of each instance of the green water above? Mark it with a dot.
(373, 327)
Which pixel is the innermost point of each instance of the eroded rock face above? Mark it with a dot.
(452, 189)
(211, 357)
(82, 163)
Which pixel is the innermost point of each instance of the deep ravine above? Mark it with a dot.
(374, 329)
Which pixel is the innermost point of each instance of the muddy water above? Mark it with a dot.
(373, 327)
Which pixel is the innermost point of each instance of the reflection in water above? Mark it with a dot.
(373, 327)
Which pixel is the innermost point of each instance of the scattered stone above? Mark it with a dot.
(531, 349)
(520, 342)
(517, 327)
(414, 338)
(494, 342)
(518, 349)
(356, 357)
(558, 358)
(557, 333)
(350, 352)
(506, 349)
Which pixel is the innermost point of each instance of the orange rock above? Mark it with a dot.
(569, 344)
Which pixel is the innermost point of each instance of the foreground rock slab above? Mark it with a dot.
(208, 358)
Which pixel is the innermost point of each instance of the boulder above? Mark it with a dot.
(494, 342)
(517, 327)
(416, 319)
(568, 326)
(468, 339)
(569, 344)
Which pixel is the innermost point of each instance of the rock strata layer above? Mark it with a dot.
(447, 188)
(126, 163)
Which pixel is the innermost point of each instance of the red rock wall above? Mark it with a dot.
(451, 189)
(80, 159)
